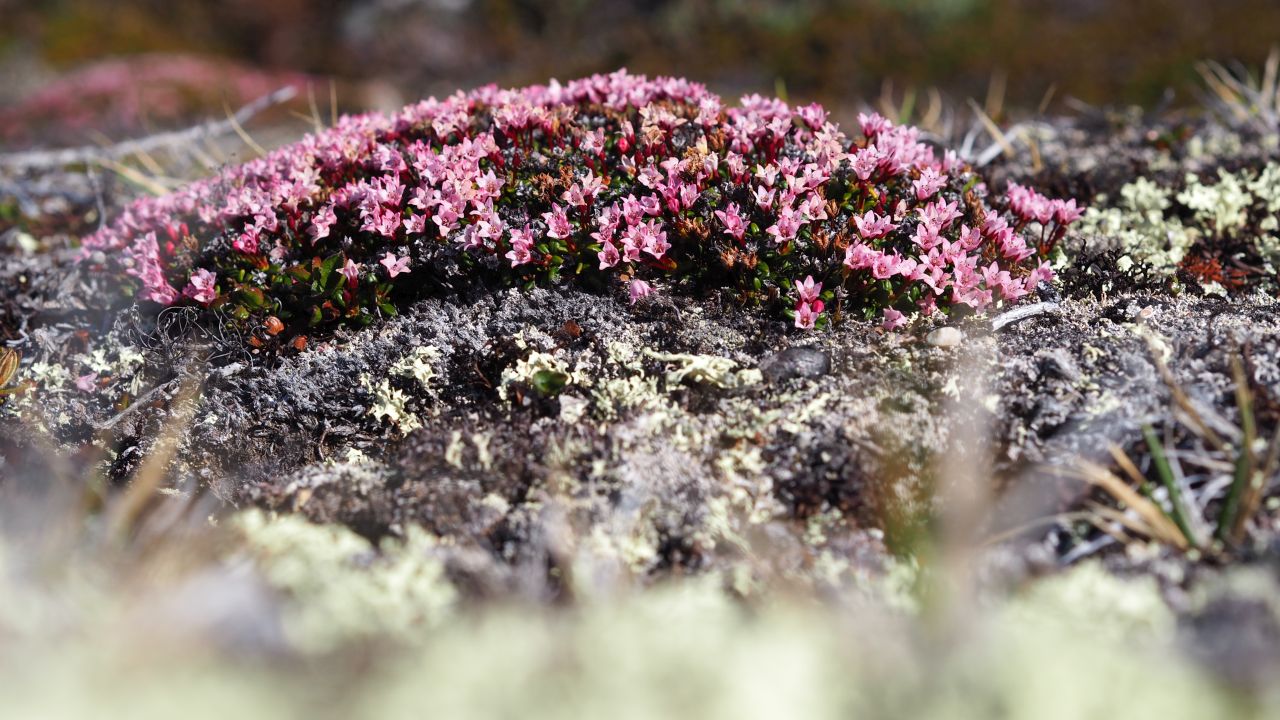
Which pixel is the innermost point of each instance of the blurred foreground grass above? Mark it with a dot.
(294, 620)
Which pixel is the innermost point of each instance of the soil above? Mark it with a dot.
(684, 433)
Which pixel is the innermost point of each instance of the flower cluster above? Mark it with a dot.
(613, 179)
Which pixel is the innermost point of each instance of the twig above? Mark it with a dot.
(91, 154)
(1022, 313)
(136, 404)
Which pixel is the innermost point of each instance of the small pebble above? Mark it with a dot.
(944, 337)
(795, 362)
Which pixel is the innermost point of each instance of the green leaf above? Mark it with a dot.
(326, 269)
(549, 382)
(252, 297)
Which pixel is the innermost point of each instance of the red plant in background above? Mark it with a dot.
(129, 95)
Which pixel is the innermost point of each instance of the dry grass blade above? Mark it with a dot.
(1015, 531)
(996, 133)
(993, 106)
(316, 123)
(242, 134)
(933, 113)
(125, 512)
(1270, 99)
(1195, 420)
(1226, 87)
(1048, 98)
(1134, 525)
(1157, 524)
(132, 175)
(9, 360)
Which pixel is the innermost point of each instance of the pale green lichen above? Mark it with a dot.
(1147, 221)
(391, 404)
(340, 586)
(709, 369)
(545, 371)
(419, 364)
(1139, 226)
(1220, 208)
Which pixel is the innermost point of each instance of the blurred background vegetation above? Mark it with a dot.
(1099, 51)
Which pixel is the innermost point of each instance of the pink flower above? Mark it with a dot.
(812, 115)
(873, 124)
(871, 226)
(593, 142)
(865, 162)
(731, 218)
(807, 290)
(351, 271)
(1066, 212)
(639, 289)
(1042, 273)
(654, 239)
(608, 255)
(521, 246)
(807, 314)
(789, 223)
(201, 287)
(87, 383)
(765, 196)
(884, 266)
(394, 265)
(323, 221)
(893, 319)
(557, 222)
(859, 256)
(247, 243)
(1030, 205)
(939, 215)
(930, 182)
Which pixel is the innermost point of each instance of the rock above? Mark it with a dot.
(796, 362)
(944, 337)
(1058, 363)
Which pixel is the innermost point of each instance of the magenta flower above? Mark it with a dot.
(87, 383)
(201, 286)
(734, 224)
(323, 221)
(395, 266)
(608, 255)
(807, 290)
(789, 223)
(351, 271)
(653, 239)
(807, 314)
(873, 124)
(884, 265)
(521, 247)
(639, 289)
(865, 162)
(1066, 212)
(557, 222)
(872, 227)
(929, 183)
(893, 319)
